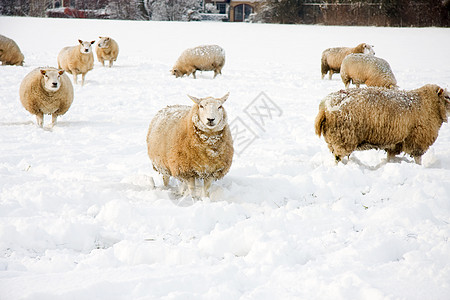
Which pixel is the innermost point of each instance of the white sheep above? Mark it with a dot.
(77, 59)
(9, 52)
(46, 91)
(332, 57)
(202, 58)
(191, 143)
(107, 49)
(368, 69)
(378, 118)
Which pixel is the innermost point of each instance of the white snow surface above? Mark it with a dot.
(79, 218)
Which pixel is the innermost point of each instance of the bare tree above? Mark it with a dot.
(175, 10)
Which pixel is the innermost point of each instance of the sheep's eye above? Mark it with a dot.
(220, 107)
(201, 106)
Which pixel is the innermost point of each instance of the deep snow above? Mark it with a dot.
(79, 218)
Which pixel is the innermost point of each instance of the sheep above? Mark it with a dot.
(9, 52)
(332, 57)
(46, 91)
(107, 49)
(191, 143)
(373, 71)
(77, 59)
(203, 58)
(378, 118)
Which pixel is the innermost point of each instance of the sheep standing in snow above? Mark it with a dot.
(191, 143)
(332, 57)
(202, 58)
(9, 52)
(46, 91)
(77, 59)
(373, 71)
(107, 49)
(378, 118)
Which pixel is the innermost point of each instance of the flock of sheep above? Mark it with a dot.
(379, 116)
(194, 143)
(190, 143)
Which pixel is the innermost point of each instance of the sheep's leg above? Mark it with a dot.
(357, 85)
(40, 119)
(206, 185)
(82, 78)
(193, 74)
(191, 186)
(166, 180)
(54, 116)
(330, 74)
(102, 61)
(418, 159)
(110, 63)
(75, 78)
(391, 153)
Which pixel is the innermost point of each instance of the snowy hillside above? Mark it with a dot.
(79, 218)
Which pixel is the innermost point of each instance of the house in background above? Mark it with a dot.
(237, 10)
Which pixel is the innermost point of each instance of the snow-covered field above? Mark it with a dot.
(80, 220)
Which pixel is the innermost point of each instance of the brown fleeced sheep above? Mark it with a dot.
(332, 57)
(46, 91)
(191, 143)
(202, 58)
(77, 60)
(107, 49)
(377, 118)
(368, 69)
(9, 52)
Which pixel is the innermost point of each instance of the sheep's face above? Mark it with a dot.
(211, 114)
(85, 47)
(104, 42)
(52, 79)
(177, 73)
(445, 95)
(368, 49)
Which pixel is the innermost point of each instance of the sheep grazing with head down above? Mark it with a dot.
(77, 59)
(46, 91)
(367, 69)
(332, 57)
(107, 49)
(202, 58)
(191, 143)
(9, 52)
(387, 119)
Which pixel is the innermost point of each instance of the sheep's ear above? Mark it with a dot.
(43, 72)
(224, 98)
(80, 41)
(60, 72)
(99, 37)
(92, 42)
(196, 100)
(439, 91)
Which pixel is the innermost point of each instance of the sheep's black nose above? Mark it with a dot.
(210, 120)
(55, 84)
